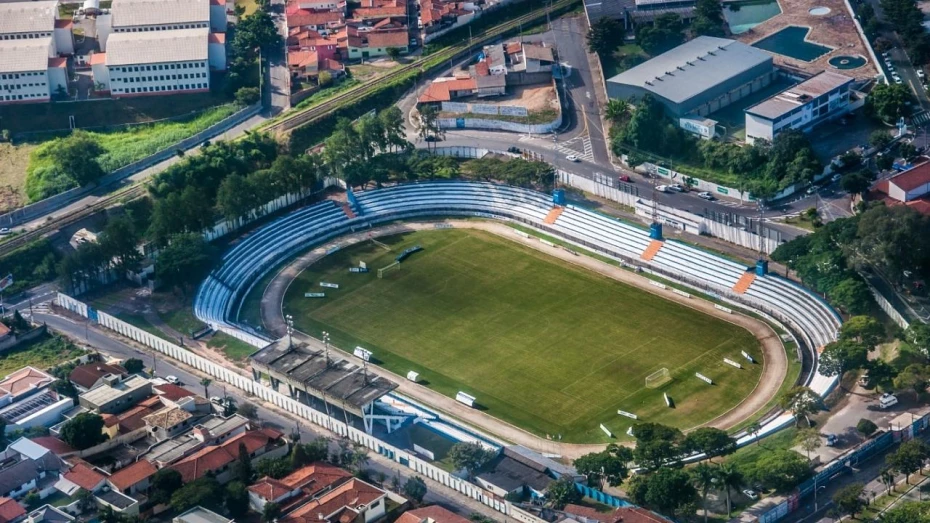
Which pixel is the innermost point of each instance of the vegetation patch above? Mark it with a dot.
(42, 353)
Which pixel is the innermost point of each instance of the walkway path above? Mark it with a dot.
(775, 363)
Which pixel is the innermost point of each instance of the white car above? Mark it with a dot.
(5, 230)
(572, 158)
(662, 188)
(920, 73)
(751, 494)
(172, 379)
(706, 196)
(676, 187)
(887, 400)
(216, 399)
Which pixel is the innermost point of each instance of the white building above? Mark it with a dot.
(159, 62)
(142, 16)
(813, 101)
(27, 71)
(35, 20)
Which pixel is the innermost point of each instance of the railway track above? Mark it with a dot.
(291, 122)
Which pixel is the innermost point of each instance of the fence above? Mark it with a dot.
(295, 408)
(886, 306)
(54, 203)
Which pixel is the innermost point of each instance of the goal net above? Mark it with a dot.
(658, 378)
(380, 244)
(392, 267)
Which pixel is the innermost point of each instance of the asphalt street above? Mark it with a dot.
(87, 334)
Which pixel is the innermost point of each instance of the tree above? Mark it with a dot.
(841, 356)
(616, 109)
(754, 428)
(562, 492)
(888, 102)
(849, 499)
(887, 478)
(918, 335)
(801, 402)
(242, 469)
(205, 382)
(324, 79)
(710, 441)
(909, 458)
(866, 427)
(662, 35)
(83, 431)
(781, 470)
(608, 466)
(393, 53)
(120, 242)
(656, 444)
(133, 365)
(914, 377)
(911, 512)
(703, 477)
(205, 492)
(275, 468)
(471, 457)
(255, 31)
(415, 489)
(852, 294)
(164, 483)
(32, 500)
(85, 500)
(77, 155)
(879, 139)
(248, 410)
(605, 36)
(667, 491)
(237, 499)
(429, 123)
(270, 512)
(708, 18)
(235, 198)
(248, 95)
(809, 440)
(864, 329)
(729, 477)
(64, 388)
(186, 261)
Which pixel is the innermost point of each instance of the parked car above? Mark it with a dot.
(662, 188)
(676, 187)
(5, 230)
(625, 178)
(432, 138)
(831, 440)
(173, 380)
(812, 189)
(512, 149)
(704, 195)
(216, 400)
(572, 158)
(887, 400)
(749, 493)
(836, 177)
(920, 74)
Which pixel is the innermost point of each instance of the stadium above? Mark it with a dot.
(507, 307)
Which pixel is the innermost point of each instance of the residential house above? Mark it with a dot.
(309, 40)
(170, 422)
(307, 65)
(324, 23)
(536, 58)
(53, 445)
(212, 430)
(87, 376)
(431, 514)
(133, 479)
(494, 56)
(371, 44)
(583, 514)
(200, 515)
(448, 89)
(116, 395)
(441, 15)
(80, 476)
(353, 500)
(47, 514)
(305, 483)
(375, 10)
(11, 511)
(25, 399)
(321, 5)
(264, 443)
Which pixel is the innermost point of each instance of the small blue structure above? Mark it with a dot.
(655, 231)
(762, 267)
(558, 196)
(352, 201)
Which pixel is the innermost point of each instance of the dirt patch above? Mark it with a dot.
(13, 162)
(836, 30)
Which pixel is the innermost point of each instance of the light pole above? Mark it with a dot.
(326, 346)
(289, 320)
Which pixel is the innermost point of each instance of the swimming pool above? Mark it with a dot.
(743, 16)
(791, 42)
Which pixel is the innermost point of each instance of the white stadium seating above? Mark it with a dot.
(805, 314)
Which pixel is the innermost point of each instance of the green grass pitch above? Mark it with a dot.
(552, 348)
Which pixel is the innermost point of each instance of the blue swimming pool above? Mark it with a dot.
(791, 42)
(743, 16)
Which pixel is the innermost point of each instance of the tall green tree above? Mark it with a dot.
(909, 458)
(83, 431)
(664, 34)
(237, 499)
(849, 500)
(841, 356)
(562, 492)
(608, 466)
(667, 491)
(77, 155)
(415, 489)
(704, 478)
(205, 492)
(802, 402)
(605, 35)
(710, 441)
(730, 478)
(469, 456)
(185, 262)
(164, 483)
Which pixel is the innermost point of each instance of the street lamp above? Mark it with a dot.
(326, 345)
(289, 320)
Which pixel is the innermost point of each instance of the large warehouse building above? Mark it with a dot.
(697, 77)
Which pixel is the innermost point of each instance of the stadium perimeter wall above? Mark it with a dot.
(297, 409)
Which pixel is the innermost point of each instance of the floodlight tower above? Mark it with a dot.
(326, 346)
(762, 265)
(289, 320)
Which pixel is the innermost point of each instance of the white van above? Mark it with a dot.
(887, 400)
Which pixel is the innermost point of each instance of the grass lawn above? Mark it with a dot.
(520, 331)
(42, 353)
(182, 319)
(235, 349)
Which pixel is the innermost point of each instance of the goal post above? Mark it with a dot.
(658, 378)
(381, 244)
(387, 268)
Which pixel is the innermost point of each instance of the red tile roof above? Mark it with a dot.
(10, 510)
(109, 420)
(217, 2)
(64, 24)
(55, 445)
(303, 17)
(132, 419)
(442, 91)
(58, 62)
(623, 514)
(84, 476)
(217, 38)
(88, 374)
(316, 476)
(215, 456)
(379, 12)
(126, 477)
(269, 488)
(482, 69)
(349, 495)
(387, 38)
(302, 59)
(98, 58)
(23, 380)
(431, 514)
(514, 47)
(172, 392)
(913, 177)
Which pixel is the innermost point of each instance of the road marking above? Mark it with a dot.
(588, 94)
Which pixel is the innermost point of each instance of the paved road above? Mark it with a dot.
(437, 494)
(899, 58)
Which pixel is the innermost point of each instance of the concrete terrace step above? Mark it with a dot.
(742, 285)
(553, 215)
(346, 208)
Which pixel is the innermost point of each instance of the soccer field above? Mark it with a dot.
(552, 348)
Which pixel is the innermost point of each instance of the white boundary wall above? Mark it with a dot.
(292, 406)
